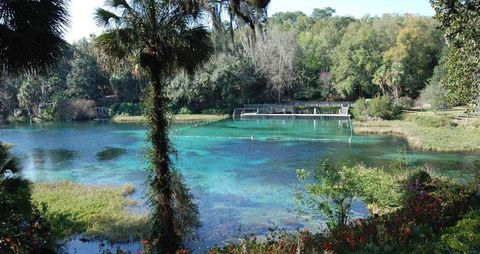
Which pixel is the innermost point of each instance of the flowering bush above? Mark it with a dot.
(429, 207)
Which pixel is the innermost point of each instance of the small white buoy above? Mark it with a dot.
(252, 138)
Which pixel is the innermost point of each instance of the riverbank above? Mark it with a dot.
(447, 132)
(98, 212)
(176, 118)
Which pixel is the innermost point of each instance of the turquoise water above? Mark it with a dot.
(242, 173)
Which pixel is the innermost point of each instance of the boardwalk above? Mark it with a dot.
(271, 111)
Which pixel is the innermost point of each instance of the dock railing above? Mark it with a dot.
(297, 108)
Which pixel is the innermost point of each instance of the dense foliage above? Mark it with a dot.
(22, 227)
(380, 107)
(291, 57)
(459, 21)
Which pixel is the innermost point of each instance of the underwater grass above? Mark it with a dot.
(436, 133)
(97, 212)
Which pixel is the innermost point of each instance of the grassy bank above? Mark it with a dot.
(176, 118)
(94, 211)
(425, 131)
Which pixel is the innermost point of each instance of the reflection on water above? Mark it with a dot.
(242, 173)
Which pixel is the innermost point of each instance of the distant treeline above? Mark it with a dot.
(294, 57)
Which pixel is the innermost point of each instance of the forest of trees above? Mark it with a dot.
(289, 56)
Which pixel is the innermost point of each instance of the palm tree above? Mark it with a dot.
(30, 33)
(160, 35)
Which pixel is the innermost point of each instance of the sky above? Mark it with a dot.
(82, 23)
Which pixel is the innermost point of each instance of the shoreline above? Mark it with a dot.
(435, 139)
(136, 119)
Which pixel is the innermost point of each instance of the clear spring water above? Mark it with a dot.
(242, 173)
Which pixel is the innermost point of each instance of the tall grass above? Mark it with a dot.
(437, 133)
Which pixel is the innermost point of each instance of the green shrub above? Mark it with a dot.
(330, 191)
(380, 107)
(359, 109)
(126, 108)
(406, 103)
(465, 236)
(435, 95)
(185, 111)
(80, 110)
(432, 121)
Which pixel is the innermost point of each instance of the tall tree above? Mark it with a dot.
(417, 50)
(215, 9)
(460, 21)
(276, 58)
(323, 13)
(161, 36)
(31, 33)
(357, 58)
(85, 79)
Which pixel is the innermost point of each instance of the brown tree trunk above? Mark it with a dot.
(232, 35)
(218, 29)
(258, 29)
(167, 240)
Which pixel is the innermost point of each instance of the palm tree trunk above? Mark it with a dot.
(164, 235)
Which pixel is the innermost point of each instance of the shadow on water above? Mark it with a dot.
(59, 156)
(110, 153)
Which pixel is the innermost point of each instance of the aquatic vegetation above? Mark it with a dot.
(91, 211)
(110, 153)
(55, 155)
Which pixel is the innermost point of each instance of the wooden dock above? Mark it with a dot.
(293, 116)
(317, 111)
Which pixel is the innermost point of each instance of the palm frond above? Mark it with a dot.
(118, 3)
(7, 162)
(102, 17)
(195, 48)
(31, 33)
(116, 43)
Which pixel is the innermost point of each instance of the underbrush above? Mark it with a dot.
(434, 216)
(431, 121)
